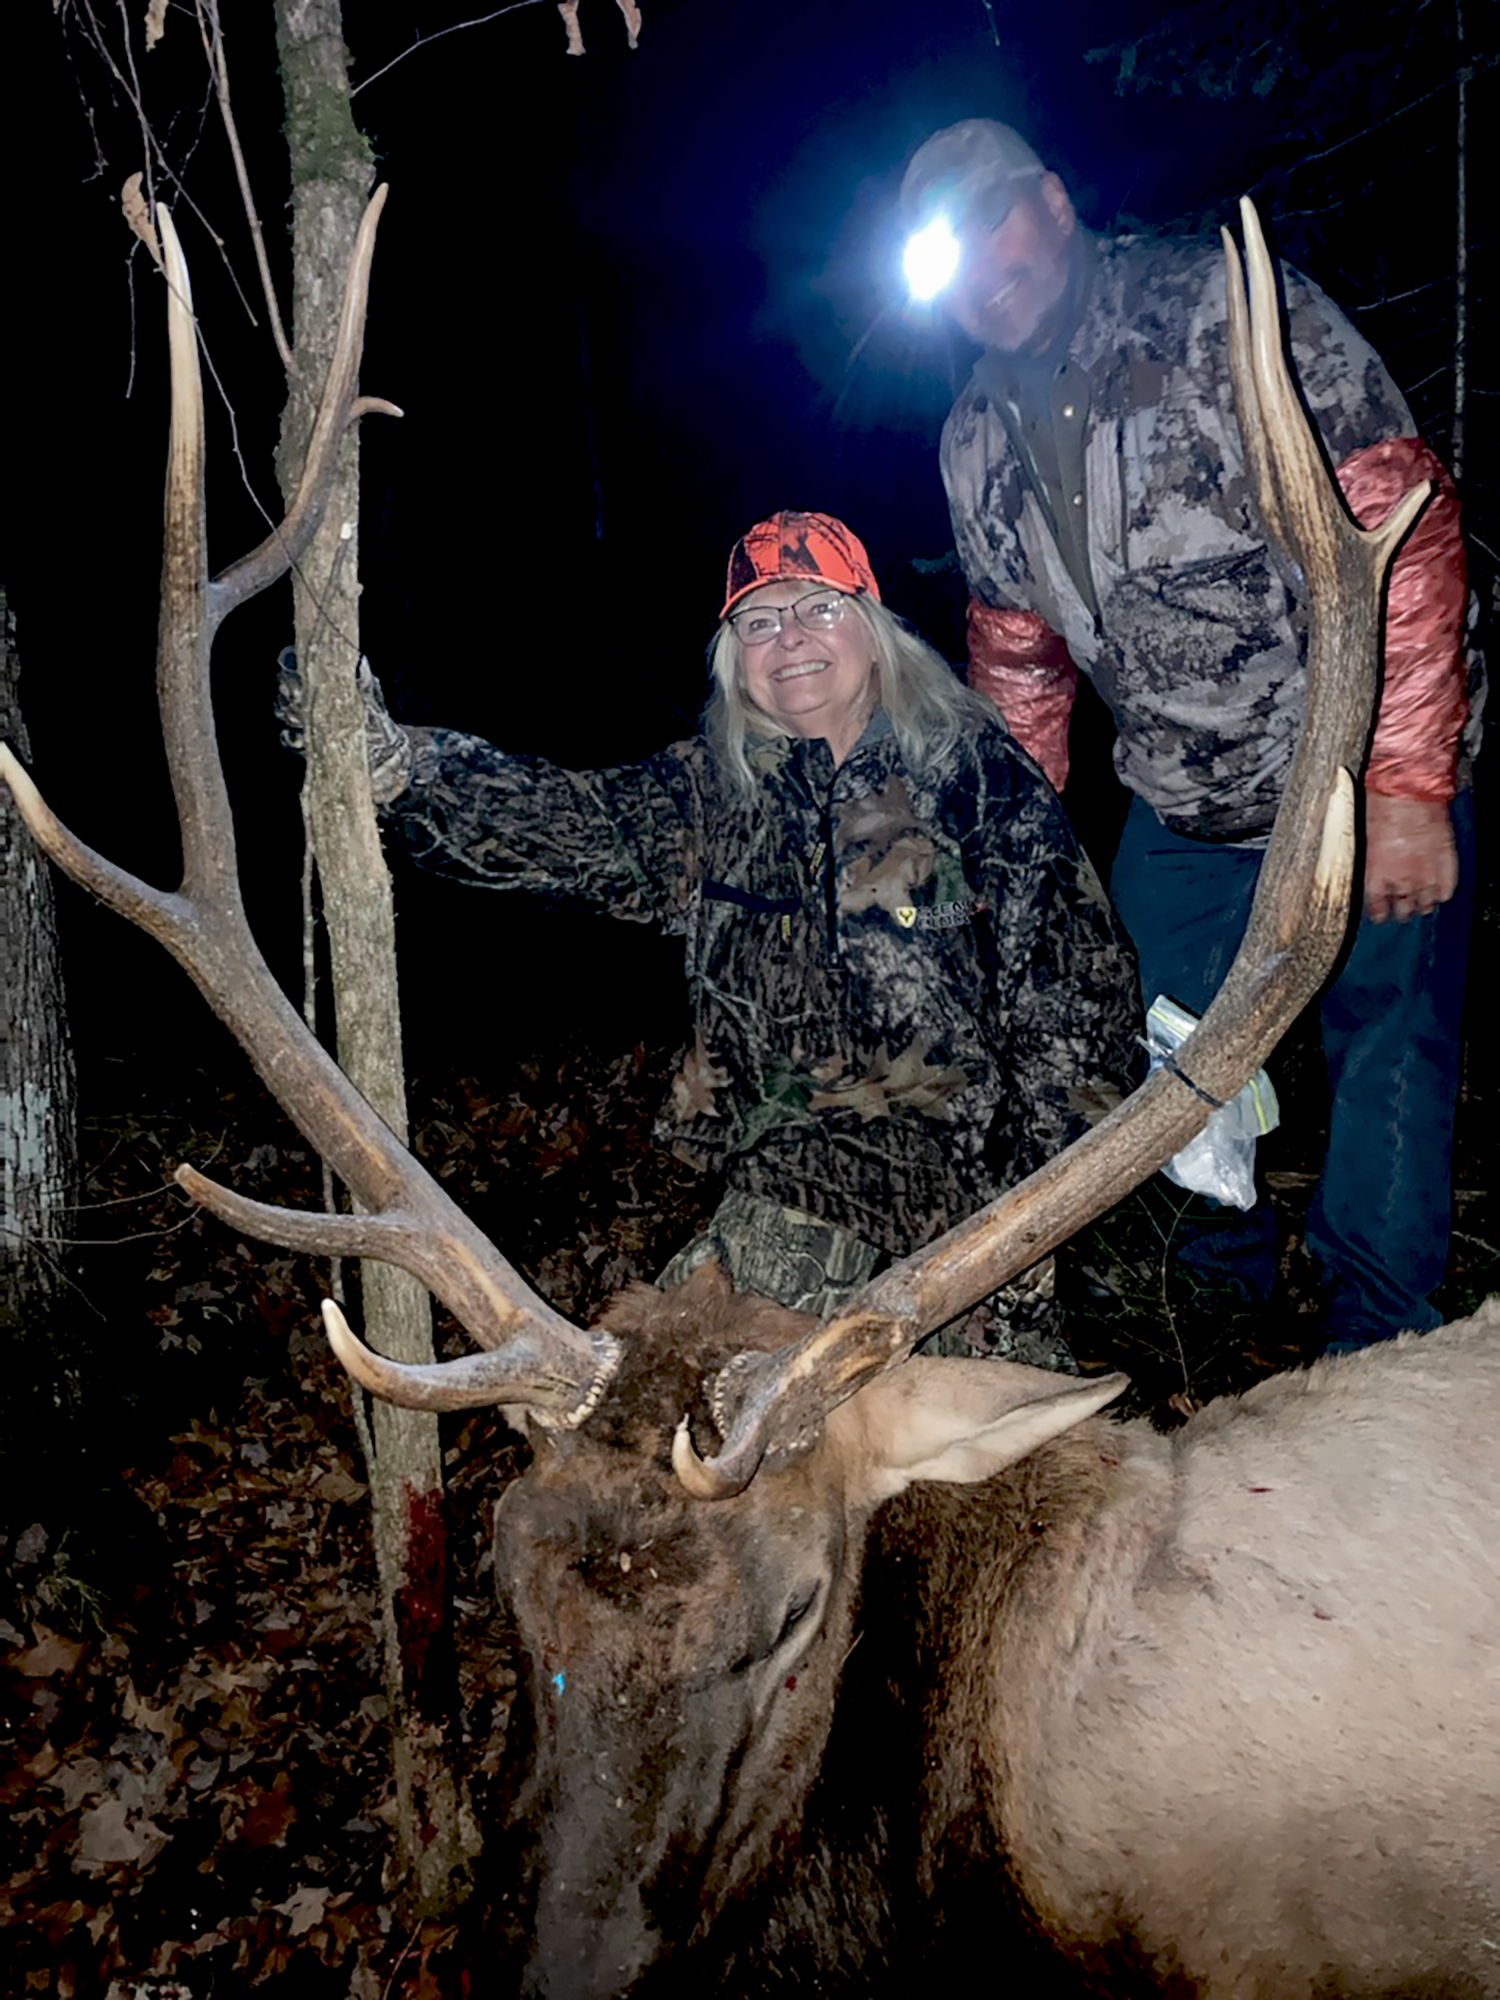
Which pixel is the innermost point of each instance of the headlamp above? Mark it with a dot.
(931, 258)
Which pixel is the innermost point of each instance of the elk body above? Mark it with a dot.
(1219, 1711)
(1214, 1712)
(831, 1648)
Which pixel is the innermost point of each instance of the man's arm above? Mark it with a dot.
(1023, 667)
(1410, 863)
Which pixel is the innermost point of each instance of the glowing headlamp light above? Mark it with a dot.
(930, 259)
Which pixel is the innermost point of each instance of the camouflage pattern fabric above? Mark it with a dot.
(813, 1267)
(908, 987)
(1197, 646)
(779, 1253)
(1021, 1321)
(387, 747)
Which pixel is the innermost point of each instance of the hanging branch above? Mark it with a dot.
(211, 28)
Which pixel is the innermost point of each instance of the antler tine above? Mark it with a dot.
(537, 1357)
(770, 1402)
(286, 543)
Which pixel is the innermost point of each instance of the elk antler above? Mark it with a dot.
(535, 1356)
(769, 1402)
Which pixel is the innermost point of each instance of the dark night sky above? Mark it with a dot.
(629, 303)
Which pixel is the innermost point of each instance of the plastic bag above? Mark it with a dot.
(1221, 1160)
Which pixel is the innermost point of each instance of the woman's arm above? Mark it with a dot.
(614, 840)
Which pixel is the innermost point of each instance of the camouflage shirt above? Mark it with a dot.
(1195, 632)
(908, 989)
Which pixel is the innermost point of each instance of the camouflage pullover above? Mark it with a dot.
(908, 988)
(1147, 555)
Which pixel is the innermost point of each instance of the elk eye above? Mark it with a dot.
(796, 1611)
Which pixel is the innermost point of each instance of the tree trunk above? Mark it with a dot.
(331, 180)
(38, 1130)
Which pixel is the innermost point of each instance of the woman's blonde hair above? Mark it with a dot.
(929, 708)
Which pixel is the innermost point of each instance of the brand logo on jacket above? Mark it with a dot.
(936, 916)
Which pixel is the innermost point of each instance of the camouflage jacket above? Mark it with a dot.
(1195, 634)
(908, 989)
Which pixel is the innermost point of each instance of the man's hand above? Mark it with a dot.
(1410, 862)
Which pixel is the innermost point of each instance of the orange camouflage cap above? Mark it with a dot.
(791, 545)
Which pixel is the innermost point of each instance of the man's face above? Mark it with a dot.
(1013, 275)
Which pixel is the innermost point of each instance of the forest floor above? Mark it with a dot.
(195, 1771)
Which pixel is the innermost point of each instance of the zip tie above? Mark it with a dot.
(1170, 1062)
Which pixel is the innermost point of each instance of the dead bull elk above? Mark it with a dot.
(1214, 1713)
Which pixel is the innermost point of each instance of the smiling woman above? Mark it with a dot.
(806, 666)
(794, 640)
(908, 987)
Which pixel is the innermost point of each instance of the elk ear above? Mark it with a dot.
(958, 1420)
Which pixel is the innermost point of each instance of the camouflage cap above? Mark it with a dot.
(964, 161)
(793, 545)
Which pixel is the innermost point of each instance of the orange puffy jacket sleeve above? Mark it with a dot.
(1026, 670)
(1423, 699)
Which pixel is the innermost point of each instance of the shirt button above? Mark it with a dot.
(1077, 499)
(1067, 410)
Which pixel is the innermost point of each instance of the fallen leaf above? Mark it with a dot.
(141, 1715)
(304, 1908)
(76, 1779)
(338, 1486)
(269, 1817)
(52, 1654)
(105, 1837)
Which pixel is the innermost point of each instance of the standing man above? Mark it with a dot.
(1103, 515)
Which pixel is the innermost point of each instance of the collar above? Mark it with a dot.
(811, 755)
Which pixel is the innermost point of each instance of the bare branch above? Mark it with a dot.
(157, 163)
(456, 27)
(211, 28)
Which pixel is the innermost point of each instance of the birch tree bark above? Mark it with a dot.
(38, 1131)
(331, 180)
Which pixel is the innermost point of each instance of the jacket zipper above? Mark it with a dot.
(830, 898)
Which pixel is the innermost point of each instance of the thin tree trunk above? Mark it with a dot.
(331, 179)
(38, 1128)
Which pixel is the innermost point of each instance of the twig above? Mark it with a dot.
(152, 146)
(211, 28)
(108, 1242)
(422, 41)
(137, 99)
(1465, 73)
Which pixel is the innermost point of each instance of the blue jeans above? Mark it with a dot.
(1380, 1219)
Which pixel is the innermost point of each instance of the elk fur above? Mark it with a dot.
(1214, 1712)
